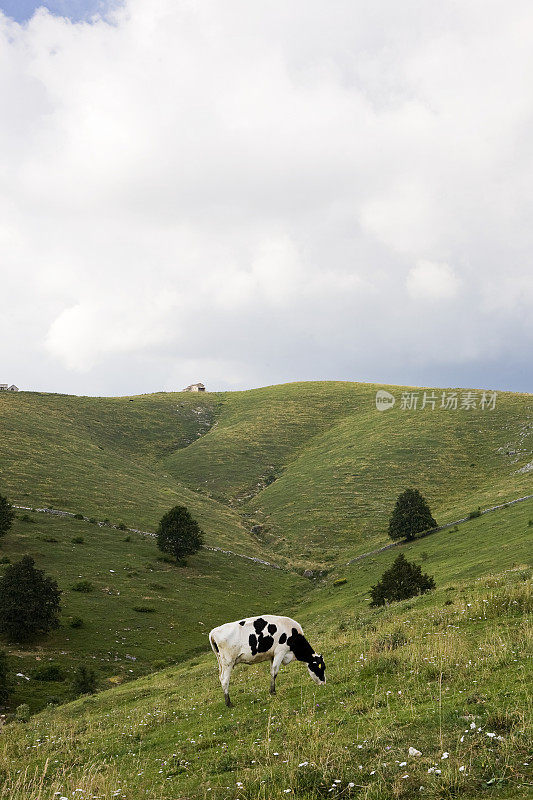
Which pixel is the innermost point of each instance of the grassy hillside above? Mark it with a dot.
(488, 544)
(448, 673)
(126, 572)
(312, 468)
(337, 494)
(102, 457)
(258, 432)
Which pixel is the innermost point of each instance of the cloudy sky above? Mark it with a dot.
(248, 193)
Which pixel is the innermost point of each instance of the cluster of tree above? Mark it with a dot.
(404, 579)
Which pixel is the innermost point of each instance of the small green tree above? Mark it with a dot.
(29, 601)
(7, 515)
(84, 681)
(404, 579)
(4, 688)
(411, 515)
(179, 534)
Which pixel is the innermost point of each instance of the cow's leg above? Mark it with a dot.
(275, 664)
(225, 675)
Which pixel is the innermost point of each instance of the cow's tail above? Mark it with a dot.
(216, 651)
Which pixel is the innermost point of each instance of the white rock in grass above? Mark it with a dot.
(414, 752)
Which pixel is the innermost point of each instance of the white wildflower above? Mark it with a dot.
(445, 755)
(414, 752)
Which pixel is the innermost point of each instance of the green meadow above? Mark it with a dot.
(305, 476)
(448, 674)
(177, 607)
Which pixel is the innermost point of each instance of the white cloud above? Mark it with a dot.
(258, 186)
(430, 281)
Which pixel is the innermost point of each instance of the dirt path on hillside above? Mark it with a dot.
(56, 512)
(440, 528)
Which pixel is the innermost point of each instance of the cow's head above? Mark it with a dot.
(317, 669)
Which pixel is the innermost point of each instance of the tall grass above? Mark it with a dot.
(454, 686)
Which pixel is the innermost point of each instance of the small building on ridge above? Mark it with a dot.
(195, 387)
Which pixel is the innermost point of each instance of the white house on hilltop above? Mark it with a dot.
(5, 388)
(194, 387)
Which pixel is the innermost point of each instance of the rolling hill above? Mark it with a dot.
(307, 473)
(304, 475)
(447, 673)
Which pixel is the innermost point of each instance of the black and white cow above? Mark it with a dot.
(279, 640)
